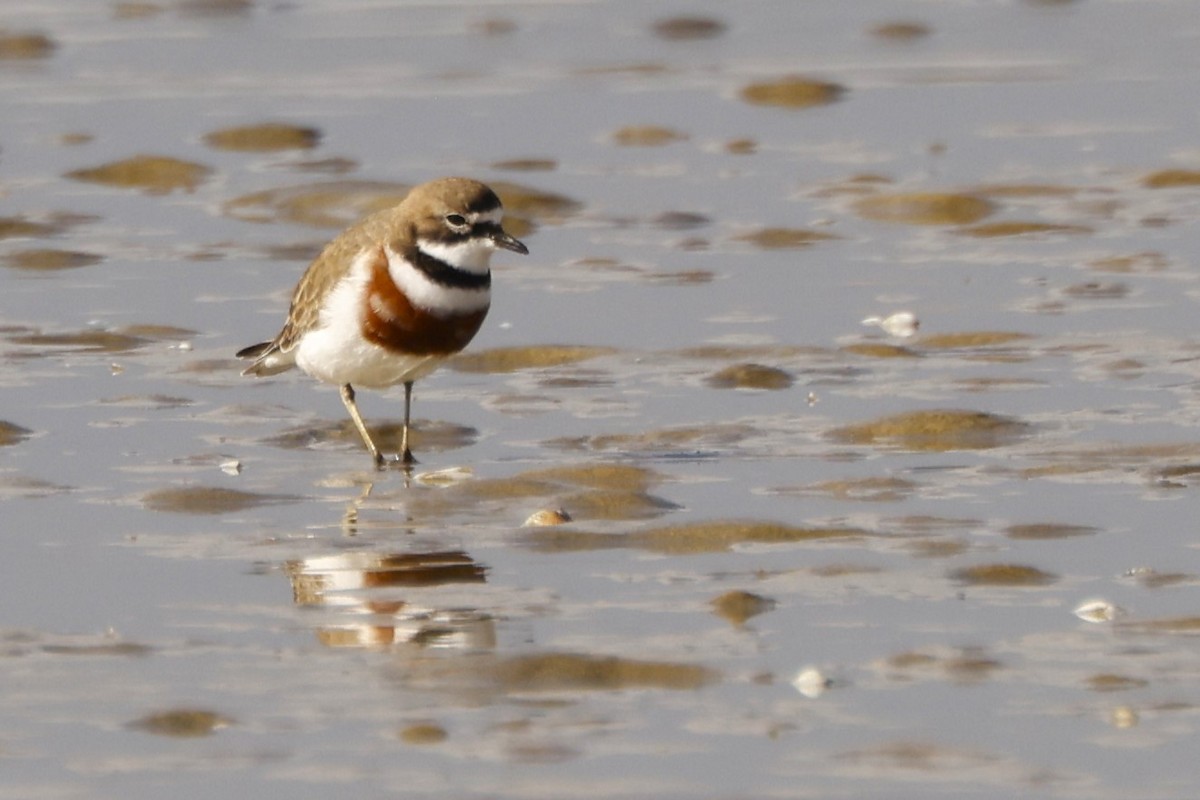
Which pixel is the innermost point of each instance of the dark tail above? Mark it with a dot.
(254, 350)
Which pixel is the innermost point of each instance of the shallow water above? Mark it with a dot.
(806, 558)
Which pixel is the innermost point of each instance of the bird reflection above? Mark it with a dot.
(367, 590)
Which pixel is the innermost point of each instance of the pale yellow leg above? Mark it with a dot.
(352, 407)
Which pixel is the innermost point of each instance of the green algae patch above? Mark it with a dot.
(900, 31)
(1003, 575)
(880, 350)
(935, 430)
(552, 672)
(423, 733)
(647, 136)
(1048, 530)
(50, 260)
(514, 359)
(266, 137)
(737, 606)
(182, 723)
(784, 238)
(793, 92)
(1171, 178)
(971, 339)
(996, 230)
(716, 536)
(11, 434)
(925, 208)
(206, 500)
(688, 28)
(25, 46)
(151, 174)
(686, 437)
(750, 376)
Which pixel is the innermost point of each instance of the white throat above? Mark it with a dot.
(470, 255)
(425, 293)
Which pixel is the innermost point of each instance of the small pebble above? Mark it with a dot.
(811, 683)
(1097, 611)
(547, 516)
(902, 324)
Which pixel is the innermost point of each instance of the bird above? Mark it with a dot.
(392, 297)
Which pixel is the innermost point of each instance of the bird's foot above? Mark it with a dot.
(403, 461)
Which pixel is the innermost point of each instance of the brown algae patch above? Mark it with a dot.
(737, 606)
(182, 723)
(871, 490)
(24, 46)
(425, 435)
(716, 536)
(793, 91)
(1026, 190)
(879, 350)
(526, 202)
(968, 665)
(1153, 579)
(1183, 624)
(925, 208)
(595, 492)
(265, 137)
(526, 165)
(935, 430)
(1108, 682)
(615, 504)
(553, 672)
(688, 28)
(971, 339)
(89, 341)
(49, 259)
(16, 227)
(1097, 290)
(1171, 178)
(121, 340)
(335, 204)
(136, 9)
(513, 359)
(207, 500)
(783, 238)
(157, 332)
(995, 230)
(647, 136)
(750, 376)
(423, 733)
(1003, 575)
(1136, 263)
(741, 147)
(724, 352)
(323, 205)
(12, 434)
(1041, 531)
(664, 439)
(120, 649)
(900, 31)
(618, 477)
(153, 174)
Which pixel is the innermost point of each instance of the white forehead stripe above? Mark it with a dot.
(495, 216)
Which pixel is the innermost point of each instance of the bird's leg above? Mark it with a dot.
(406, 456)
(348, 399)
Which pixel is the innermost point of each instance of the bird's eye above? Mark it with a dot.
(456, 221)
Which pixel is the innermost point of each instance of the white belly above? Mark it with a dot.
(336, 352)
